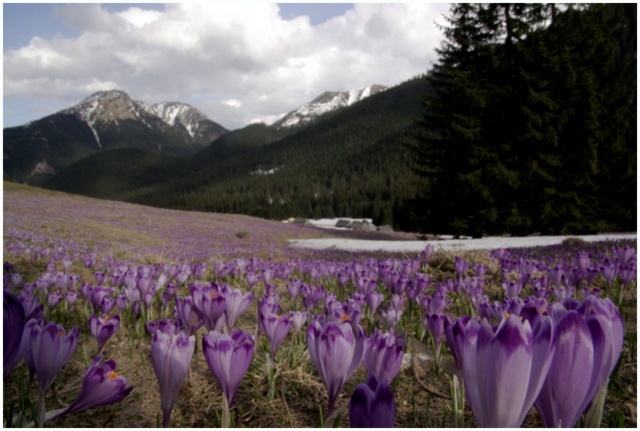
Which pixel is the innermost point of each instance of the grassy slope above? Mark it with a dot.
(143, 235)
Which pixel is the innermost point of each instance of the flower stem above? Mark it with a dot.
(271, 375)
(593, 418)
(226, 412)
(41, 408)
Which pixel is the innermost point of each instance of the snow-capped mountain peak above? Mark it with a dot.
(326, 102)
(105, 107)
(177, 113)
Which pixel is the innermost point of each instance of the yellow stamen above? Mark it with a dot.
(213, 295)
(112, 375)
(345, 317)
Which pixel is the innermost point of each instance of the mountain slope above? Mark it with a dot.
(350, 162)
(326, 102)
(104, 120)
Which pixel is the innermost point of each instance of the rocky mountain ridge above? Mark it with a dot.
(326, 102)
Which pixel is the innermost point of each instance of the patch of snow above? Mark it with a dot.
(263, 172)
(191, 128)
(330, 223)
(326, 102)
(95, 133)
(43, 168)
(488, 243)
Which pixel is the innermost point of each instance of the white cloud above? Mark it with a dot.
(139, 17)
(236, 67)
(234, 103)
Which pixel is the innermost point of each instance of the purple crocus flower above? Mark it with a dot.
(107, 305)
(336, 350)
(171, 358)
(383, 355)
(251, 278)
(51, 348)
(503, 370)
(627, 273)
(391, 317)
(71, 297)
(210, 303)
(560, 403)
(625, 254)
(293, 287)
(228, 357)
(435, 325)
(101, 386)
(103, 328)
(374, 299)
(96, 294)
(187, 314)
(276, 327)
(236, 303)
(372, 405)
(589, 342)
(53, 299)
(425, 254)
(298, 318)
(461, 265)
(512, 288)
(12, 331)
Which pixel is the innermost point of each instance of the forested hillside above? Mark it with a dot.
(353, 162)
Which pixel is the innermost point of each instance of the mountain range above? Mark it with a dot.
(39, 149)
(107, 119)
(342, 154)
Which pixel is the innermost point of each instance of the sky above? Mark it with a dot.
(239, 63)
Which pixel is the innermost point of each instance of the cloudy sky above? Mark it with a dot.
(238, 63)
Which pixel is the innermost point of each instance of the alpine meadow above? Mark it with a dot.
(157, 270)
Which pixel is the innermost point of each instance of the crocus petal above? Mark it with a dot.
(372, 405)
(51, 349)
(228, 357)
(12, 332)
(559, 403)
(504, 364)
(171, 358)
(543, 351)
(360, 407)
(101, 386)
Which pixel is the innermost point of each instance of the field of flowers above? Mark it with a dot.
(118, 315)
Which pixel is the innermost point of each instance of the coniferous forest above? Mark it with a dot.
(532, 127)
(526, 124)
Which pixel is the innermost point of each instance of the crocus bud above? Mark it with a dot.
(228, 357)
(236, 303)
(103, 328)
(276, 327)
(383, 355)
(336, 350)
(372, 405)
(51, 348)
(171, 358)
(503, 368)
